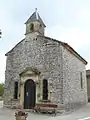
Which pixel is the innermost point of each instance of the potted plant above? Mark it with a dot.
(21, 115)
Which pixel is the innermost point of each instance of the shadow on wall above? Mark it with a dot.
(89, 100)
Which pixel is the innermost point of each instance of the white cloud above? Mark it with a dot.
(88, 65)
(73, 36)
(71, 20)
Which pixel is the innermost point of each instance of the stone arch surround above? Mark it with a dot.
(35, 76)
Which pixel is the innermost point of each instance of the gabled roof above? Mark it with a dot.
(68, 47)
(14, 47)
(35, 17)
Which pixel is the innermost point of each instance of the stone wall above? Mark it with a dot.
(88, 87)
(73, 94)
(40, 53)
(56, 64)
(9, 81)
(88, 84)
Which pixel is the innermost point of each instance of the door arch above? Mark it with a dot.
(29, 94)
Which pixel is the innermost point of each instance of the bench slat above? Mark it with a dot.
(47, 105)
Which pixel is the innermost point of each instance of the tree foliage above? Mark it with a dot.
(1, 89)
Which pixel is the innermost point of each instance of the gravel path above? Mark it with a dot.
(81, 114)
(8, 114)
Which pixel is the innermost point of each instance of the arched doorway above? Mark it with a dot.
(29, 94)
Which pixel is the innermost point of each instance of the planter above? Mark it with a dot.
(20, 118)
(21, 115)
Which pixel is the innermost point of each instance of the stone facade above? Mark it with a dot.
(38, 57)
(73, 95)
(88, 83)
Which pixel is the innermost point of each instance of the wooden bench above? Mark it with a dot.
(45, 108)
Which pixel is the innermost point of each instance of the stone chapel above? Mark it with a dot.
(41, 69)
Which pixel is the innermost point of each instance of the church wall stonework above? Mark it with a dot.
(42, 54)
(41, 58)
(73, 94)
(88, 84)
(56, 64)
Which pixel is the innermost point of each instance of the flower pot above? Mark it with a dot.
(20, 115)
(20, 118)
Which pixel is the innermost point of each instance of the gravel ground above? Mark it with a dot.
(9, 114)
(81, 114)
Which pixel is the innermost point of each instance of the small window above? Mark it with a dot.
(40, 25)
(31, 27)
(16, 90)
(45, 89)
(81, 79)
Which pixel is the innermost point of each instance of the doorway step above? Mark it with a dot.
(15, 103)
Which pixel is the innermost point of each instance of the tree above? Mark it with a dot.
(1, 89)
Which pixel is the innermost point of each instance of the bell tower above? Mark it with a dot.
(35, 24)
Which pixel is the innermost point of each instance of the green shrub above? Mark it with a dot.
(1, 89)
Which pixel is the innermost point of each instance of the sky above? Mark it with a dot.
(65, 20)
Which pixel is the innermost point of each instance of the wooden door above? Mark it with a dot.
(29, 94)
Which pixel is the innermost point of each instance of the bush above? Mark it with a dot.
(1, 89)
